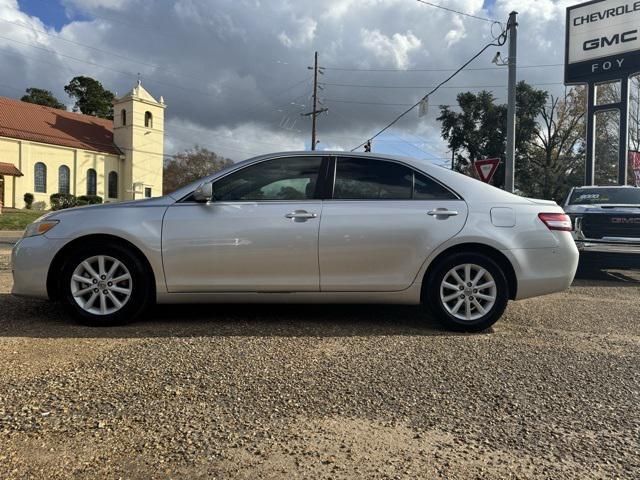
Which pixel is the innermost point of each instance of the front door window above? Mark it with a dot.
(279, 179)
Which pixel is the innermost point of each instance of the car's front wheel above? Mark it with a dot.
(467, 292)
(105, 284)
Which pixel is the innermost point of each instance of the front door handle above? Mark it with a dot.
(300, 215)
(442, 212)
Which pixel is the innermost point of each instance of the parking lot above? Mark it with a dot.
(552, 391)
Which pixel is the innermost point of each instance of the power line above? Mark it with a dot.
(121, 72)
(111, 145)
(458, 12)
(385, 104)
(494, 68)
(432, 156)
(422, 87)
(137, 26)
(498, 42)
(58, 37)
(339, 100)
(91, 47)
(236, 115)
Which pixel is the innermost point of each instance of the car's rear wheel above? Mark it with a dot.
(105, 284)
(467, 292)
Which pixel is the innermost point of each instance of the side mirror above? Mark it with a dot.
(203, 193)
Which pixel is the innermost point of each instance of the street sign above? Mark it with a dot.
(486, 168)
(602, 41)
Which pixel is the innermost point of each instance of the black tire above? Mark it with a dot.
(437, 307)
(141, 285)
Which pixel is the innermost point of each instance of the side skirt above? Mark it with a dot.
(410, 296)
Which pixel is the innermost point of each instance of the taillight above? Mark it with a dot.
(556, 221)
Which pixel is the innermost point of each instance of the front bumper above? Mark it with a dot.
(30, 261)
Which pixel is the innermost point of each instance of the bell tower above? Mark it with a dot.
(138, 130)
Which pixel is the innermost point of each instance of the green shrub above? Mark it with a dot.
(89, 200)
(28, 200)
(60, 201)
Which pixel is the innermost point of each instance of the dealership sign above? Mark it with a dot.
(634, 162)
(602, 40)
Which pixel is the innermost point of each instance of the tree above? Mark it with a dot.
(190, 165)
(91, 97)
(554, 159)
(42, 97)
(479, 130)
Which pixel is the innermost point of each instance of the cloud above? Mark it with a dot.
(395, 48)
(98, 4)
(303, 33)
(457, 33)
(234, 72)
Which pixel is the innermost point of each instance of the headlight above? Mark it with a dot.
(40, 227)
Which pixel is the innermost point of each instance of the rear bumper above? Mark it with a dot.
(541, 271)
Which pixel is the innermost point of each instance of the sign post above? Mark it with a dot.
(603, 45)
(486, 168)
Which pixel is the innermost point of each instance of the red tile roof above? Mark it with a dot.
(9, 169)
(28, 121)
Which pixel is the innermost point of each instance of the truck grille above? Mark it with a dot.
(598, 225)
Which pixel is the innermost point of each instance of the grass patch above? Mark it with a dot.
(18, 219)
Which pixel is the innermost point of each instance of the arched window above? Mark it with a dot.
(112, 191)
(123, 117)
(40, 178)
(91, 182)
(148, 119)
(64, 176)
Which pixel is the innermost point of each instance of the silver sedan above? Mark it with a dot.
(329, 227)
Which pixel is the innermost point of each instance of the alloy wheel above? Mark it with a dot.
(468, 292)
(101, 285)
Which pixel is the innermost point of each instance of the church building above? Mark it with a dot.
(44, 150)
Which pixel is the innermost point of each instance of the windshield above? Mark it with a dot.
(605, 196)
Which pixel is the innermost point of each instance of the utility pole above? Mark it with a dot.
(511, 105)
(315, 112)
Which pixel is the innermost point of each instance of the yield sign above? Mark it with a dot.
(486, 168)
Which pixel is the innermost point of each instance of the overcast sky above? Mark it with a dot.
(234, 72)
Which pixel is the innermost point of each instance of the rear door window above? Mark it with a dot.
(372, 179)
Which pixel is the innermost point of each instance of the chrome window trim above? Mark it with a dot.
(186, 200)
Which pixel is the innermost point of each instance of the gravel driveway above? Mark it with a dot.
(553, 391)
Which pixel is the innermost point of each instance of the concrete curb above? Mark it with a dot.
(10, 237)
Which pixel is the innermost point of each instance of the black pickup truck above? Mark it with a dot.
(605, 219)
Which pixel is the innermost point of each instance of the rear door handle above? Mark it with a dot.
(301, 215)
(442, 212)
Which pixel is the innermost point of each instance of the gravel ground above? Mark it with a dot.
(278, 392)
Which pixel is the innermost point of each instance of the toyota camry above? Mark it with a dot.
(305, 227)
